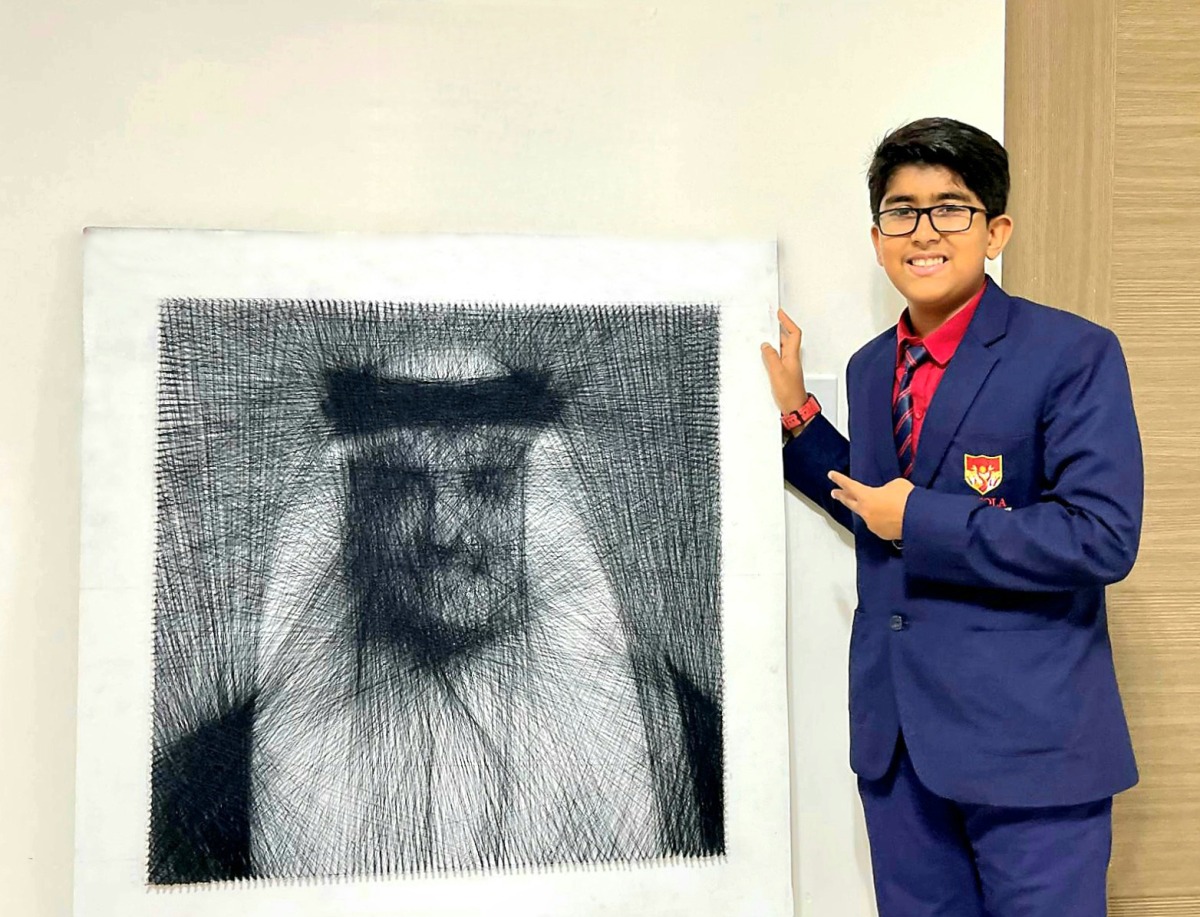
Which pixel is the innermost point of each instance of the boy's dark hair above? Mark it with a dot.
(975, 156)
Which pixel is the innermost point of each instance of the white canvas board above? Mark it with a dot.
(166, 318)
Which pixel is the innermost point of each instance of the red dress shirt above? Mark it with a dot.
(941, 343)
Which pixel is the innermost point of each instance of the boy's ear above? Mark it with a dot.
(877, 241)
(999, 232)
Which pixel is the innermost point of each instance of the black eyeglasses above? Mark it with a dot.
(900, 221)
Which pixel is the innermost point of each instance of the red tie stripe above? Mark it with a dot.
(902, 410)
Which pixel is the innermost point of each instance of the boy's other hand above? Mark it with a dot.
(783, 367)
(881, 508)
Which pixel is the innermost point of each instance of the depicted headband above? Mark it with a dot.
(361, 401)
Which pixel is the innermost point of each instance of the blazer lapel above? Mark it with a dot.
(965, 375)
(880, 380)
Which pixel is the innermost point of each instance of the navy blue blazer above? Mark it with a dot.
(983, 635)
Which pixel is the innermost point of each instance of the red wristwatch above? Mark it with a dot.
(810, 409)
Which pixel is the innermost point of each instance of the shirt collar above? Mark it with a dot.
(943, 341)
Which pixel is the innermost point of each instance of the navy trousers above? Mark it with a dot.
(933, 857)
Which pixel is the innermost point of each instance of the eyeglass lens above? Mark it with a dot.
(902, 220)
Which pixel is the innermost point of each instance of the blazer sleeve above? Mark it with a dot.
(1084, 530)
(808, 459)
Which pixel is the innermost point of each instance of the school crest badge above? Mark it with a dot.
(983, 473)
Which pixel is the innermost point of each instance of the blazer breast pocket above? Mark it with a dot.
(1001, 470)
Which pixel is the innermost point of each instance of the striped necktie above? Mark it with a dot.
(902, 411)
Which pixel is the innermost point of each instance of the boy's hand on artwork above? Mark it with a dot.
(881, 508)
(783, 367)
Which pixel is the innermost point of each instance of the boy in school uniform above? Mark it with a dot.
(993, 483)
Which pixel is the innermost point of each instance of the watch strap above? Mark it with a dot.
(810, 409)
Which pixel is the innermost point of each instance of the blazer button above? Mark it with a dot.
(897, 622)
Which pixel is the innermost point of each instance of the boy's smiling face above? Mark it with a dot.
(937, 272)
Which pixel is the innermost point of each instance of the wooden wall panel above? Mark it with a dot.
(1103, 128)
(1154, 907)
(1059, 84)
(1155, 308)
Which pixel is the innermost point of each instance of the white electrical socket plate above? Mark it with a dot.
(825, 387)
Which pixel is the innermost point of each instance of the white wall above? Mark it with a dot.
(682, 118)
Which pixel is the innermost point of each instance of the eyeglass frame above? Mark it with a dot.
(928, 212)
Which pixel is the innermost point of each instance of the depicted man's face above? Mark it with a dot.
(435, 534)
